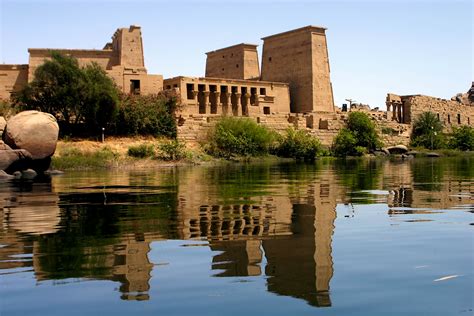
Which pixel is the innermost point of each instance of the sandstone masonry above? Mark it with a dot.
(293, 88)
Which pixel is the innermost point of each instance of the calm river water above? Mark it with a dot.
(360, 237)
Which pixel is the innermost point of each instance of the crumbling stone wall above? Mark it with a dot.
(450, 113)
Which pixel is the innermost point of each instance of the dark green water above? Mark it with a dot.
(331, 238)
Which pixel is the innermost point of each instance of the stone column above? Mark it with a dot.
(399, 114)
(239, 106)
(218, 102)
(195, 97)
(247, 104)
(256, 99)
(228, 104)
(206, 101)
(394, 112)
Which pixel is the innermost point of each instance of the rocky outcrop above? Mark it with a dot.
(36, 132)
(3, 123)
(14, 158)
(30, 139)
(399, 149)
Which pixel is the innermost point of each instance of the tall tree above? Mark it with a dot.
(74, 95)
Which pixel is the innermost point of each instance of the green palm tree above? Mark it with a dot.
(427, 131)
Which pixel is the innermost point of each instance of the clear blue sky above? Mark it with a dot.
(375, 47)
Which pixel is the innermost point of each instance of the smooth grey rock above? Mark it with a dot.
(5, 176)
(413, 153)
(28, 174)
(17, 175)
(379, 153)
(433, 154)
(53, 172)
(13, 156)
(398, 149)
(34, 131)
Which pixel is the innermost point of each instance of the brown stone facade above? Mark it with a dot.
(293, 89)
(451, 113)
(12, 79)
(122, 59)
(300, 58)
(234, 62)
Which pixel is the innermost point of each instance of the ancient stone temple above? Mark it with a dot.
(300, 58)
(290, 88)
(452, 113)
(122, 59)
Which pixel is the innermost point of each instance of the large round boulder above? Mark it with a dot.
(3, 123)
(37, 132)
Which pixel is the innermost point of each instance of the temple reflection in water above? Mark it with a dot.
(259, 220)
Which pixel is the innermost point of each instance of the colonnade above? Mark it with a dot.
(397, 112)
(225, 101)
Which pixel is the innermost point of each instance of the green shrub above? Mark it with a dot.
(462, 138)
(427, 132)
(360, 150)
(147, 115)
(298, 144)
(239, 137)
(7, 109)
(363, 129)
(344, 144)
(358, 138)
(171, 150)
(141, 151)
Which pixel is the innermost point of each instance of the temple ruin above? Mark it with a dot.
(292, 88)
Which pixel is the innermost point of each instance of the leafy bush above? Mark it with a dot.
(298, 144)
(7, 109)
(74, 95)
(147, 115)
(141, 151)
(427, 132)
(171, 150)
(239, 136)
(358, 138)
(344, 143)
(462, 138)
(363, 129)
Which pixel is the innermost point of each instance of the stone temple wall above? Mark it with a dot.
(325, 126)
(450, 113)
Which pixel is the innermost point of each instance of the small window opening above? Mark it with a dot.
(266, 110)
(459, 118)
(189, 91)
(263, 91)
(135, 86)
